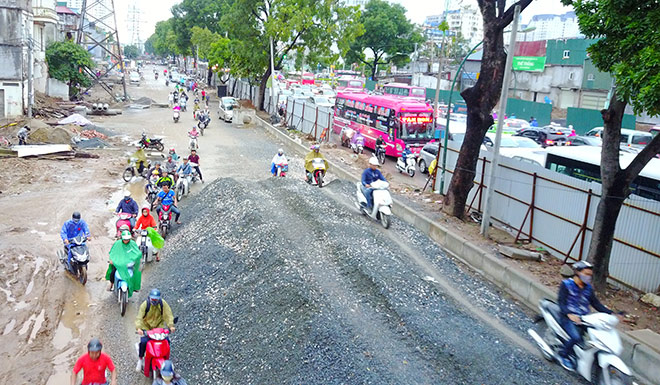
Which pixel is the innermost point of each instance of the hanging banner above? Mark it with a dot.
(529, 63)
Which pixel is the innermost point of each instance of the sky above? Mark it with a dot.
(157, 10)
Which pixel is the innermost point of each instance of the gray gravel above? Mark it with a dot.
(277, 282)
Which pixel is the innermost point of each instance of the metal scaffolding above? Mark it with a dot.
(98, 30)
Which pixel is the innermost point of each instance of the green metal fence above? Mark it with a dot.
(584, 120)
(524, 109)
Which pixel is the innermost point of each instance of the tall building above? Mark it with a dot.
(16, 23)
(553, 27)
(465, 21)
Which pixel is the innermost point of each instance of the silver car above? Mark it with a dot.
(426, 156)
(226, 108)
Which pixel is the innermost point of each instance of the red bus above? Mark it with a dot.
(308, 78)
(400, 89)
(398, 121)
(349, 82)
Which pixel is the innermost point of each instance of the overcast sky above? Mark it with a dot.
(156, 10)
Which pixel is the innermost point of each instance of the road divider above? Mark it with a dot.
(523, 286)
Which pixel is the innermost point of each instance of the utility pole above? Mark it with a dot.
(30, 74)
(272, 67)
(437, 84)
(490, 190)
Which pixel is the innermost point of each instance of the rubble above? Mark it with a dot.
(526, 255)
(651, 299)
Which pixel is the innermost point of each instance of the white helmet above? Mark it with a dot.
(280, 151)
(373, 161)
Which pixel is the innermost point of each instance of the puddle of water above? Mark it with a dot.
(38, 262)
(42, 223)
(9, 327)
(21, 305)
(26, 325)
(39, 320)
(10, 298)
(29, 287)
(63, 335)
(62, 364)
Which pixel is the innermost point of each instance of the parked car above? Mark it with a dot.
(134, 78)
(319, 101)
(635, 140)
(426, 156)
(586, 141)
(547, 135)
(226, 108)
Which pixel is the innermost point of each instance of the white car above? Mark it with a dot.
(320, 101)
(134, 78)
(226, 110)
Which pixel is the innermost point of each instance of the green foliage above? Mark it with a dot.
(629, 47)
(220, 53)
(162, 39)
(205, 14)
(388, 34)
(66, 62)
(149, 45)
(131, 52)
(202, 39)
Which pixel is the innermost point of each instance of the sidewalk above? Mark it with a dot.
(481, 255)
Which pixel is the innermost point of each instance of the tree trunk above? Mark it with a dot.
(374, 67)
(262, 89)
(615, 191)
(209, 76)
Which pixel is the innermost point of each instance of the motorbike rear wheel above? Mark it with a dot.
(381, 157)
(128, 174)
(82, 274)
(159, 146)
(180, 191)
(163, 232)
(123, 302)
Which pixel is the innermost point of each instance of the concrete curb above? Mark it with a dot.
(523, 287)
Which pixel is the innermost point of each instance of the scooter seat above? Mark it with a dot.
(553, 309)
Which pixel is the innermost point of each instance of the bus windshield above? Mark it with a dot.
(416, 126)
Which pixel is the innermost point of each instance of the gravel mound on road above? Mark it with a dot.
(145, 101)
(276, 283)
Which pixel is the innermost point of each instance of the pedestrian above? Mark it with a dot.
(203, 94)
(94, 364)
(23, 135)
(170, 99)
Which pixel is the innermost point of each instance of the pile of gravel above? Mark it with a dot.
(279, 282)
(92, 143)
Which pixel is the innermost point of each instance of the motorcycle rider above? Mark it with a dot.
(185, 169)
(147, 220)
(165, 179)
(173, 155)
(140, 159)
(193, 134)
(279, 158)
(369, 176)
(71, 229)
(314, 153)
(129, 206)
(194, 158)
(575, 296)
(168, 197)
(94, 363)
(170, 166)
(155, 312)
(168, 376)
(357, 137)
(123, 252)
(405, 154)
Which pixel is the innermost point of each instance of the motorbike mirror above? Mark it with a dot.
(176, 319)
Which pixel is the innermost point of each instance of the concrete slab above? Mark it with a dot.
(647, 337)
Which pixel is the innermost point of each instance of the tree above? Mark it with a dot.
(162, 39)
(202, 39)
(67, 62)
(389, 36)
(131, 52)
(629, 48)
(292, 24)
(480, 100)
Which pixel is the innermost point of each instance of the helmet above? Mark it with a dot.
(172, 150)
(315, 147)
(581, 265)
(154, 295)
(155, 172)
(94, 345)
(280, 151)
(373, 161)
(185, 158)
(125, 235)
(76, 216)
(127, 194)
(167, 369)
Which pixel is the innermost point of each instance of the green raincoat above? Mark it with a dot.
(121, 255)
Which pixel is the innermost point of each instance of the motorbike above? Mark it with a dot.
(380, 154)
(175, 116)
(282, 168)
(193, 142)
(183, 183)
(167, 82)
(131, 170)
(382, 200)
(346, 135)
(357, 145)
(152, 192)
(77, 247)
(597, 360)
(124, 219)
(146, 248)
(155, 143)
(164, 220)
(183, 104)
(319, 172)
(157, 351)
(407, 167)
(203, 121)
(121, 288)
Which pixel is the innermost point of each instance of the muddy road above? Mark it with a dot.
(274, 281)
